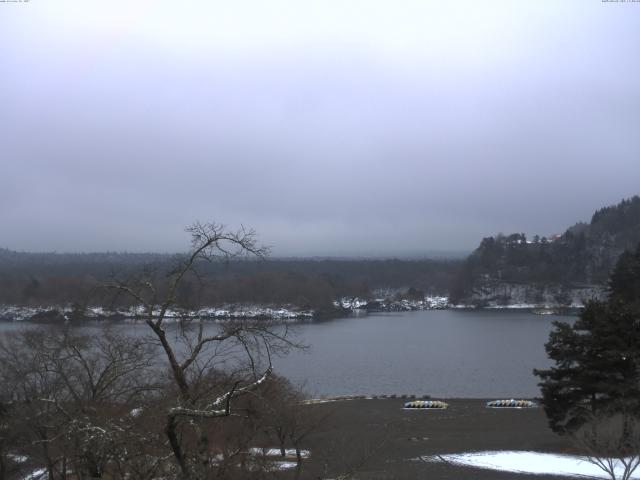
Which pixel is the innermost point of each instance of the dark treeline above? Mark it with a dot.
(54, 279)
(584, 255)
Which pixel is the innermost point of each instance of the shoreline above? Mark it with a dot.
(65, 314)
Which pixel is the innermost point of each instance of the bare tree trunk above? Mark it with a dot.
(45, 449)
(178, 373)
(64, 467)
(172, 435)
(204, 451)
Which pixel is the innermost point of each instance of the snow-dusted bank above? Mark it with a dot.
(538, 309)
(391, 304)
(535, 463)
(226, 312)
(387, 304)
(344, 305)
(61, 313)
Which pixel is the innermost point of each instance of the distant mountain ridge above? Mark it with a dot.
(508, 269)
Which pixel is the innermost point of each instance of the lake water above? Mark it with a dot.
(442, 353)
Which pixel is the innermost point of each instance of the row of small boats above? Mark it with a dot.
(426, 404)
(511, 403)
(439, 405)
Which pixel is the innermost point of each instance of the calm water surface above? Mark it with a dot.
(442, 353)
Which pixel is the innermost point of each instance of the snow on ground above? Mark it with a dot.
(275, 452)
(38, 474)
(17, 458)
(136, 412)
(535, 463)
(278, 466)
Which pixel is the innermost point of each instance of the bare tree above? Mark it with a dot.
(101, 406)
(68, 397)
(612, 442)
(195, 356)
(278, 405)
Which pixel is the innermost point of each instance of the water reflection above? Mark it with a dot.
(444, 353)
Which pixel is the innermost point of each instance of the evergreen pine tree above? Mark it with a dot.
(597, 359)
(624, 283)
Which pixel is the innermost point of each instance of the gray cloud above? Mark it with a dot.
(353, 137)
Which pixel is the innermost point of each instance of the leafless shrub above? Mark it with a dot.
(612, 442)
(68, 397)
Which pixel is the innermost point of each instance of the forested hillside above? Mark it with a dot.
(514, 269)
(41, 279)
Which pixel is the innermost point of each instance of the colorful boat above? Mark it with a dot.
(511, 403)
(430, 404)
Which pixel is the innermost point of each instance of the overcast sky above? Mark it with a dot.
(331, 127)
